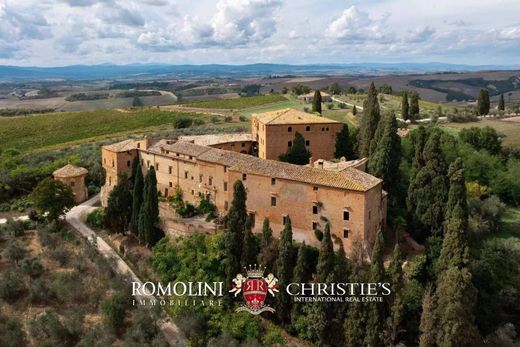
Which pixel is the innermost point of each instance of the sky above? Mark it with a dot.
(66, 32)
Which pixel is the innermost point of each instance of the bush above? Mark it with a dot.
(48, 328)
(330, 105)
(32, 267)
(11, 286)
(228, 119)
(14, 228)
(182, 122)
(144, 330)
(186, 210)
(342, 105)
(96, 336)
(11, 333)
(39, 292)
(14, 251)
(96, 218)
(60, 255)
(114, 311)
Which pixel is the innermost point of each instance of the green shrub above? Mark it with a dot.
(186, 210)
(96, 218)
(114, 311)
(11, 333)
(48, 328)
(242, 118)
(228, 119)
(39, 292)
(60, 255)
(273, 336)
(182, 122)
(14, 251)
(11, 286)
(32, 267)
(14, 228)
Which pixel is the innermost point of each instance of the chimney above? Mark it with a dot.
(320, 163)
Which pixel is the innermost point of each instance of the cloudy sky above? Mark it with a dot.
(64, 32)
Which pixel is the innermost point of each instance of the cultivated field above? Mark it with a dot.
(510, 128)
(239, 103)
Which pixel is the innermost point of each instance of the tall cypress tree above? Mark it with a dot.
(355, 324)
(483, 103)
(369, 122)
(501, 103)
(249, 248)
(268, 248)
(298, 153)
(234, 233)
(354, 110)
(325, 265)
(385, 160)
(299, 276)
(148, 228)
(137, 199)
(285, 268)
(414, 110)
(316, 102)
(376, 313)
(135, 165)
(396, 305)
(119, 208)
(428, 191)
(405, 107)
(344, 145)
(419, 138)
(428, 322)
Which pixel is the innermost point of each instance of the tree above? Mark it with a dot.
(414, 106)
(428, 191)
(369, 122)
(119, 207)
(394, 322)
(483, 103)
(344, 146)
(149, 214)
(285, 268)
(335, 88)
(14, 251)
(405, 106)
(298, 153)
(234, 233)
(268, 247)
(316, 102)
(384, 162)
(137, 199)
(137, 102)
(354, 110)
(249, 248)
(428, 321)
(114, 311)
(325, 265)
(299, 276)
(52, 197)
(501, 103)
(376, 313)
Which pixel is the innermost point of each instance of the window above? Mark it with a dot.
(192, 192)
(72, 184)
(138, 145)
(225, 168)
(289, 144)
(327, 129)
(170, 184)
(252, 219)
(273, 181)
(225, 186)
(225, 205)
(156, 166)
(142, 162)
(177, 154)
(273, 200)
(243, 144)
(148, 164)
(166, 192)
(128, 163)
(210, 181)
(109, 180)
(186, 174)
(369, 215)
(315, 209)
(308, 128)
(314, 225)
(322, 129)
(315, 188)
(307, 142)
(200, 178)
(284, 219)
(345, 233)
(244, 177)
(113, 163)
(105, 161)
(191, 157)
(289, 129)
(170, 169)
(346, 215)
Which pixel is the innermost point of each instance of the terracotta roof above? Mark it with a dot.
(122, 146)
(340, 165)
(227, 158)
(290, 116)
(181, 147)
(216, 139)
(70, 170)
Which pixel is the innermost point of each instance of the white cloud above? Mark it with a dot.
(420, 34)
(356, 26)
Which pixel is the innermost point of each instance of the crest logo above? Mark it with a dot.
(254, 289)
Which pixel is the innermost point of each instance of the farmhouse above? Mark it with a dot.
(274, 133)
(325, 97)
(351, 200)
(73, 176)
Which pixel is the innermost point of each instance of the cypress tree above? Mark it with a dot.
(299, 277)
(267, 233)
(393, 328)
(405, 106)
(135, 165)
(428, 322)
(142, 225)
(249, 250)
(419, 138)
(344, 145)
(342, 274)
(354, 110)
(285, 272)
(119, 208)
(376, 313)
(325, 265)
(148, 228)
(501, 103)
(369, 122)
(483, 103)
(385, 160)
(355, 326)
(298, 153)
(137, 199)
(414, 110)
(316, 102)
(268, 248)
(234, 233)
(428, 191)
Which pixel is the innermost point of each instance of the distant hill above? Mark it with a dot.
(156, 71)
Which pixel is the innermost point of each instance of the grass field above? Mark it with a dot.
(36, 132)
(510, 129)
(239, 103)
(91, 105)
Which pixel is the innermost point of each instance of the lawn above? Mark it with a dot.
(510, 129)
(35, 132)
(239, 103)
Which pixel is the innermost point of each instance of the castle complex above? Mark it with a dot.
(207, 166)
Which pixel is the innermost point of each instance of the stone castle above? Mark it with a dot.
(337, 192)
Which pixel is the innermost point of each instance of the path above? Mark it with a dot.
(22, 218)
(169, 329)
(346, 103)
